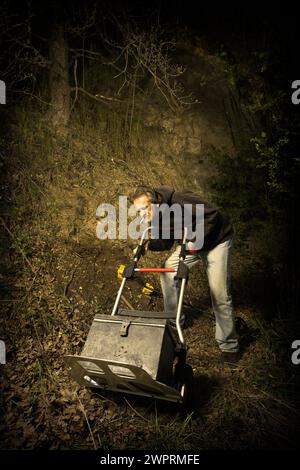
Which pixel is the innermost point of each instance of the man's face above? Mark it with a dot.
(144, 207)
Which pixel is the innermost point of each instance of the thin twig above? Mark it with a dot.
(69, 282)
(32, 96)
(109, 98)
(127, 302)
(76, 84)
(136, 412)
(87, 421)
(30, 179)
(94, 97)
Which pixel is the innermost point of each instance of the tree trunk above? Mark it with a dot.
(59, 79)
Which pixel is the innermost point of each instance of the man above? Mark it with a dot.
(215, 252)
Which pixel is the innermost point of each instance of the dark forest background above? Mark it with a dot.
(102, 96)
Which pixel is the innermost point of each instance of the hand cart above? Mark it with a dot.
(137, 352)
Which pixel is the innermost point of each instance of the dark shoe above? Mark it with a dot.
(230, 358)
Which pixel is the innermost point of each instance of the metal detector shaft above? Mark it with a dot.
(181, 293)
(114, 310)
(117, 301)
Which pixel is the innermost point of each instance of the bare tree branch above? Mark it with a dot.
(97, 97)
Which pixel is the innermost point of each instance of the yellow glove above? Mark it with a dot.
(148, 289)
(120, 271)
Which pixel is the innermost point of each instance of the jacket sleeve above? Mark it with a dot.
(202, 225)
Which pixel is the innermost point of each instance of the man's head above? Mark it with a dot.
(144, 199)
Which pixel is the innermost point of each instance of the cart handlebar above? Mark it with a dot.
(182, 276)
(155, 270)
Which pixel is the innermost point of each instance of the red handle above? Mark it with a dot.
(155, 270)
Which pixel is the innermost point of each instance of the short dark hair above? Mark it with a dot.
(145, 191)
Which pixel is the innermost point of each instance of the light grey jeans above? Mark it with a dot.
(218, 268)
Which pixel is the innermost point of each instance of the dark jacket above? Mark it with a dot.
(217, 227)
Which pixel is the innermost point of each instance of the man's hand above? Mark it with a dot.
(191, 248)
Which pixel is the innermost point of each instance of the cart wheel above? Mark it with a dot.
(183, 382)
